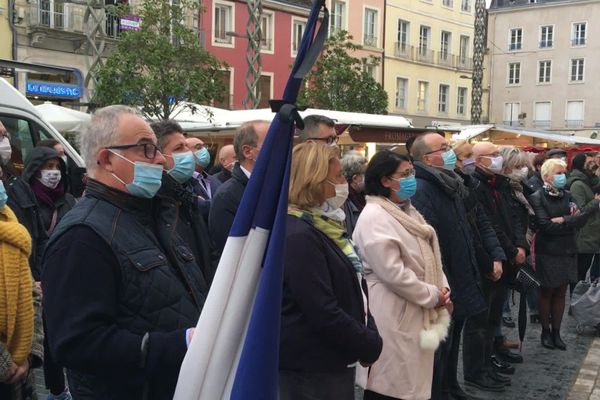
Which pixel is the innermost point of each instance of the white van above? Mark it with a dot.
(27, 127)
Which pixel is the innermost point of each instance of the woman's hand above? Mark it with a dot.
(444, 298)
(12, 370)
(558, 220)
(20, 374)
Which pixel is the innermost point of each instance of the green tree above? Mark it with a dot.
(338, 80)
(160, 66)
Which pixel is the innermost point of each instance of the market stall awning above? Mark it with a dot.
(468, 133)
(63, 119)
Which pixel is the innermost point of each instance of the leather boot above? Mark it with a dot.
(505, 354)
(558, 342)
(547, 340)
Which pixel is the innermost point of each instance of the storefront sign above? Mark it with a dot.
(382, 135)
(130, 23)
(52, 89)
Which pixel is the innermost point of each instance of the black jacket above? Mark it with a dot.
(535, 183)
(554, 238)
(443, 208)
(123, 275)
(35, 160)
(322, 317)
(224, 207)
(206, 196)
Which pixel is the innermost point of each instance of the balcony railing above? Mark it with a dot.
(403, 50)
(445, 58)
(425, 55)
(542, 123)
(369, 40)
(465, 63)
(573, 123)
(441, 58)
(511, 123)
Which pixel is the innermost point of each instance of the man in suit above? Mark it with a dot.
(204, 185)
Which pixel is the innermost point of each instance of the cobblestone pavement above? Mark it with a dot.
(587, 385)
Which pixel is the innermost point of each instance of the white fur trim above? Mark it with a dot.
(430, 339)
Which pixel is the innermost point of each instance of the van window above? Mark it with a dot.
(21, 139)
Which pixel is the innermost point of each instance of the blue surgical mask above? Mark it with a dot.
(202, 157)
(408, 187)
(183, 166)
(559, 181)
(147, 178)
(3, 195)
(468, 166)
(449, 158)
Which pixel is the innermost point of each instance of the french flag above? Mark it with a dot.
(235, 350)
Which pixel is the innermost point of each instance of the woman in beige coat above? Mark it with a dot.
(408, 292)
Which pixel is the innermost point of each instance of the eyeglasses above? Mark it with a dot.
(150, 149)
(442, 149)
(329, 139)
(406, 174)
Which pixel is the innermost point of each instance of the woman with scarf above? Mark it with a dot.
(557, 220)
(21, 333)
(408, 292)
(326, 327)
(45, 173)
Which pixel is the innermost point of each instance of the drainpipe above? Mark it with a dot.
(13, 29)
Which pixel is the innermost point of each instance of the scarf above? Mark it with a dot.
(334, 230)
(517, 188)
(452, 183)
(16, 296)
(552, 191)
(45, 194)
(435, 322)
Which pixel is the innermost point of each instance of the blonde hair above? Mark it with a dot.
(310, 166)
(550, 164)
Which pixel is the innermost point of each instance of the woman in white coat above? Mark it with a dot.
(408, 292)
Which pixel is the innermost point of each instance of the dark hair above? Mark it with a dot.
(539, 160)
(383, 164)
(164, 129)
(409, 142)
(47, 143)
(311, 126)
(579, 162)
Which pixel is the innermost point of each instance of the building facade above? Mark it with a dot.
(428, 60)
(542, 55)
(5, 31)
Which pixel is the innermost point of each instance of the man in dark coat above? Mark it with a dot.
(227, 159)
(495, 194)
(130, 284)
(247, 143)
(439, 198)
(203, 184)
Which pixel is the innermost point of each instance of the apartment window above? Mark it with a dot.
(514, 73)
(461, 101)
(424, 32)
(575, 112)
(338, 16)
(545, 71)
(448, 3)
(577, 69)
(266, 30)
(511, 113)
(542, 114)
(401, 91)
(225, 101)
(403, 38)
(463, 51)
(223, 23)
(516, 39)
(546, 36)
(52, 13)
(370, 28)
(422, 93)
(465, 5)
(298, 28)
(264, 84)
(445, 46)
(443, 99)
(370, 69)
(579, 34)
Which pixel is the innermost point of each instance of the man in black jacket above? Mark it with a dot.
(247, 142)
(440, 198)
(495, 196)
(130, 284)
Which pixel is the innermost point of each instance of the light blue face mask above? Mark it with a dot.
(449, 158)
(183, 166)
(559, 181)
(408, 187)
(202, 157)
(147, 178)
(3, 195)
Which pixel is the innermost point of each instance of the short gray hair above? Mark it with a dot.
(353, 163)
(100, 132)
(419, 148)
(312, 124)
(246, 136)
(513, 157)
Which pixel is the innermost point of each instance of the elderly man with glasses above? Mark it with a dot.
(130, 285)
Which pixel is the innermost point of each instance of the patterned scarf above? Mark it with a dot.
(552, 191)
(334, 230)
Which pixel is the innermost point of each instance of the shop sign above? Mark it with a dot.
(53, 89)
(130, 23)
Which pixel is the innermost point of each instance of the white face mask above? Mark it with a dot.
(519, 174)
(341, 194)
(5, 150)
(496, 164)
(50, 178)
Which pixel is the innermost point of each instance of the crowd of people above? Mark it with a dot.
(389, 263)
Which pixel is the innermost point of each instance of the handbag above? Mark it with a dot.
(527, 279)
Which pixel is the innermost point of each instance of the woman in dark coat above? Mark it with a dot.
(557, 220)
(326, 328)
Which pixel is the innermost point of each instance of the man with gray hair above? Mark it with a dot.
(247, 143)
(319, 128)
(354, 166)
(439, 198)
(130, 285)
